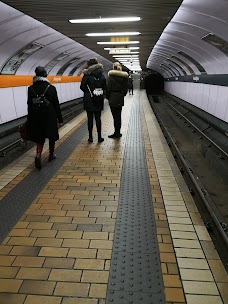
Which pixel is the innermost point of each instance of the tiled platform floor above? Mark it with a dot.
(60, 250)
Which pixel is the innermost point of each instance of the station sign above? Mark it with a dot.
(119, 51)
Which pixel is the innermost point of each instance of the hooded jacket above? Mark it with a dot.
(88, 81)
(117, 86)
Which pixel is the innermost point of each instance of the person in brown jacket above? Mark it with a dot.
(117, 87)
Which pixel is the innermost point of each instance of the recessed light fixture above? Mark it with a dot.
(125, 56)
(113, 34)
(100, 20)
(118, 42)
(129, 59)
(128, 48)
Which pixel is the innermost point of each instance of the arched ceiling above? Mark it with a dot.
(155, 15)
(196, 38)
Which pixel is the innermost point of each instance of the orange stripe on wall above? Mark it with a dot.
(8, 81)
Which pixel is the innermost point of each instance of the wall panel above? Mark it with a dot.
(7, 106)
(210, 98)
(20, 100)
(222, 102)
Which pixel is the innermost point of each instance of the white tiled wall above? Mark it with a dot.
(13, 101)
(7, 105)
(210, 98)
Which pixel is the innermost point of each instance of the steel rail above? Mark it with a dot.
(203, 134)
(211, 213)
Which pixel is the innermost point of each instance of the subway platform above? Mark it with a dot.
(108, 223)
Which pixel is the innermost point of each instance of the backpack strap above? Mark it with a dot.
(91, 95)
(34, 91)
(43, 92)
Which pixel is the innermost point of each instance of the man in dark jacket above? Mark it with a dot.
(117, 86)
(43, 117)
(93, 85)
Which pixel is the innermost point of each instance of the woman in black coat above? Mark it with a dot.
(117, 86)
(43, 118)
(93, 85)
(130, 85)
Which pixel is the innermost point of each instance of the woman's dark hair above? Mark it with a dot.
(40, 71)
(92, 61)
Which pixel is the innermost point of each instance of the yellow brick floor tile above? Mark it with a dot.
(98, 290)
(33, 273)
(95, 276)
(94, 264)
(8, 272)
(42, 299)
(71, 289)
(10, 298)
(10, 285)
(79, 301)
(65, 275)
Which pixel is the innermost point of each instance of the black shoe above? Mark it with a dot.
(90, 140)
(51, 157)
(118, 135)
(100, 140)
(38, 162)
(112, 136)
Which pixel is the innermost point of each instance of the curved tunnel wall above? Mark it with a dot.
(26, 43)
(192, 55)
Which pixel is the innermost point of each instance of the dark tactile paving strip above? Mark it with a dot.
(135, 271)
(17, 201)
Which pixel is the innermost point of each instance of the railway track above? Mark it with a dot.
(15, 146)
(214, 217)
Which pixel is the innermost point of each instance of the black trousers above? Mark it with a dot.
(130, 91)
(116, 113)
(97, 115)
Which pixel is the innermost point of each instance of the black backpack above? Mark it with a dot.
(96, 90)
(40, 103)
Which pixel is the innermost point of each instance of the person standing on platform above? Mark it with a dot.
(94, 86)
(117, 86)
(130, 85)
(44, 114)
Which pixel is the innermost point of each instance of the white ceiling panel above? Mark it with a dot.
(8, 13)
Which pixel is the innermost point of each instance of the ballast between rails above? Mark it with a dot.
(198, 130)
(195, 189)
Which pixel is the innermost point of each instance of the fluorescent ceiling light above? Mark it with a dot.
(132, 64)
(113, 34)
(122, 54)
(129, 61)
(118, 42)
(100, 20)
(126, 55)
(136, 69)
(126, 59)
(128, 48)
